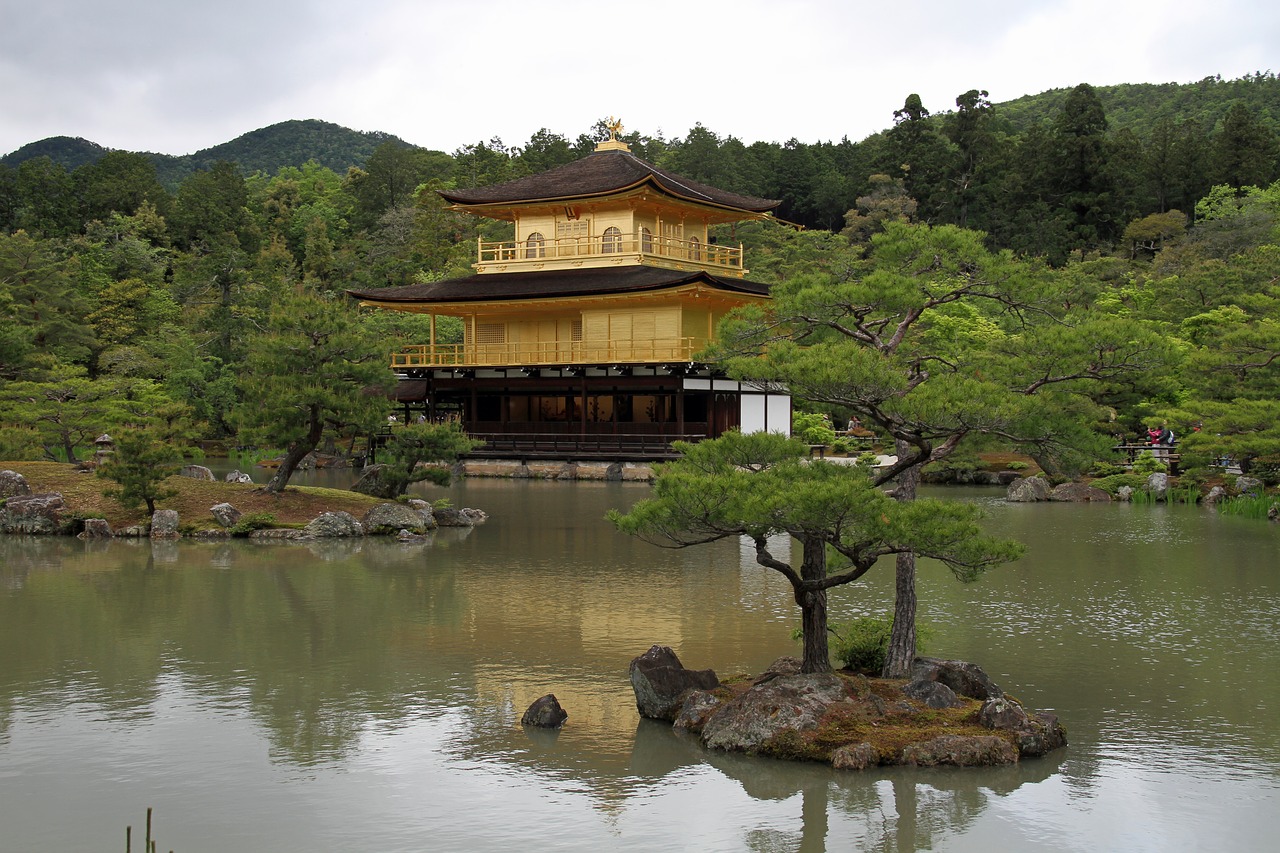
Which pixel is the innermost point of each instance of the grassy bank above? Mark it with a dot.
(83, 494)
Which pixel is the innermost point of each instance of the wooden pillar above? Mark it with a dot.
(679, 405)
(712, 423)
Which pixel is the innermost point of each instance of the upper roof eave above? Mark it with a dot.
(602, 174)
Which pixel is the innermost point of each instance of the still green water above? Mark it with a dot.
(367, 695)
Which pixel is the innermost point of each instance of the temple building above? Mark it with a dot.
(581, 334)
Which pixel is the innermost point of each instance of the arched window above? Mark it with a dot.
(535, 246)
(695, 248)
(646, 240)
(611, 242)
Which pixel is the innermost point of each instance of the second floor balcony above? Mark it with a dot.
(546, 353)
(611, 247)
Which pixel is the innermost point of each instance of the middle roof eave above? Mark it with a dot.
(546, 284)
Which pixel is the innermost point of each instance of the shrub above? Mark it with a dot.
(812, 428)
(1147, 463)
(251, 522)
(1016, 466)
(861, 644)
(1102, 468)
(1112, 484)
(1267, 469)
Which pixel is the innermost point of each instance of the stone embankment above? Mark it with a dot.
(947, 713)
(48, 514)
(1157, 485)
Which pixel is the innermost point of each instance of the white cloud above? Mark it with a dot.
(177, 77)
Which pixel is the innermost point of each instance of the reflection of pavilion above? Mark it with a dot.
(581, 334)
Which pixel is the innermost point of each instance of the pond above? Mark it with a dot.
(367, 695)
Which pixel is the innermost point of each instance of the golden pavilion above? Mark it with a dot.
(581, 334)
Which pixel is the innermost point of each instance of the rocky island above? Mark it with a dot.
(947, 713)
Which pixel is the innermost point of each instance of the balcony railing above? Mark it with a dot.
(655, 351)
(611, 246)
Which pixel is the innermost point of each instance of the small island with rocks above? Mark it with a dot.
(946, 713)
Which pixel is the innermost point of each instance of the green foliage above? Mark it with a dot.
(413, 446)
(1103, 468)
(1147, 463)
(1267, 469)
(1112, 483)
(1249, 506)
(812, 428)
(763, 484)
(142, 461)
(1016, 465)
(252, 521)
(861, 644)
(310, 372)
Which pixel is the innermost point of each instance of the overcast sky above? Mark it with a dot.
(176, 76)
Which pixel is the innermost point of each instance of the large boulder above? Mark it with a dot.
(932, 693)
(36, 514)
(374, 482)
(1158, 485)
(854, 757)
(393, 517)
(196, 472)
(788, 703)
(164, 524)
(330, 525)
(660, 682)
(1248, 486)
(545, 713)
(465, 517)
(1036, 735)
(1078, 493)
(225, 514)
(960, 751)
(1028, 490)
(423, 509)
(697, 708)
(13, 484)
(95, 528)
(966, 679)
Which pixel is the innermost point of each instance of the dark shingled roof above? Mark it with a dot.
(603, 173)
(544, 284)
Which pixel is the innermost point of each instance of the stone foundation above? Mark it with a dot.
(551, 469)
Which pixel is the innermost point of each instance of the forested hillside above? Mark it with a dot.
(129, 294)
(268, 149)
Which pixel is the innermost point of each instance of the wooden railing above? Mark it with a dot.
(1162, 453)
(546, 353)
(610, 246)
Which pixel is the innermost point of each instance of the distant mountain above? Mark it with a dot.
(289, 143)
(71, 152)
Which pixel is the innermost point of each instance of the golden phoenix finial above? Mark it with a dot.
(615, 127)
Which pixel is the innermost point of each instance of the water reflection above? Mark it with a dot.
(290, 696)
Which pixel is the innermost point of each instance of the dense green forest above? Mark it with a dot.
(135, 287)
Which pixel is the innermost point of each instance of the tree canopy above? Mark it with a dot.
(762, 485)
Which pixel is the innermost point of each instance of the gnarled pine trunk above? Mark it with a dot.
(813, 606)
(902, 641)
(297, 453)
